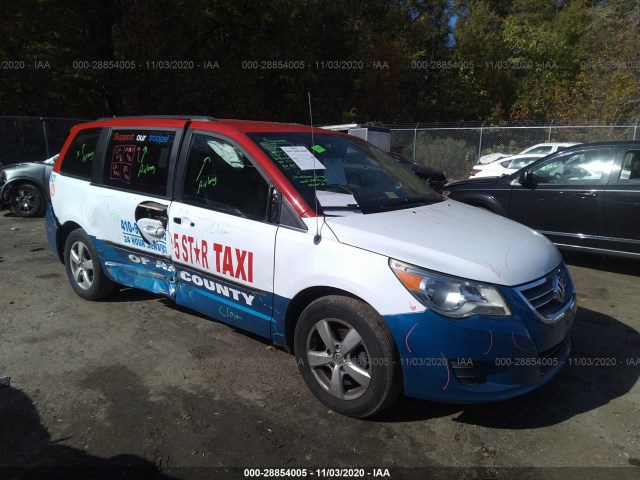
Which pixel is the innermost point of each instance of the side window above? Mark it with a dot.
(220, 177)
(586, 167)
(523, 162)
(78, 160)
(631, 166)
(138, 160)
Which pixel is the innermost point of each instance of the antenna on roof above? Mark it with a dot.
(317, 237)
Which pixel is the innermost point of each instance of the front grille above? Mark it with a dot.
(550, 296)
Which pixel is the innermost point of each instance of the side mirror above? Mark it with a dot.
(526, 179)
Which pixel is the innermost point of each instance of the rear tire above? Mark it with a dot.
(26, 201)
(84, 269)
(347, 356)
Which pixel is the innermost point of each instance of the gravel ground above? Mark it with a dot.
(135, 380)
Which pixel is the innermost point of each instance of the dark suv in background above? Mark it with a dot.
(584, 198)
(436, 179)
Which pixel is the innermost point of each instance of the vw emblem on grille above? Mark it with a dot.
(559, 289)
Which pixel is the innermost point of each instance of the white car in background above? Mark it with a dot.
(544, 148)
(547, 148)
(504, 166)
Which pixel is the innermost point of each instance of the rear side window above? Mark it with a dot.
(631, 166)
(138, 160)
(586, 167)
(78, 160)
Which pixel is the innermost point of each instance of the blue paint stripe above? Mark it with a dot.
(236, 306)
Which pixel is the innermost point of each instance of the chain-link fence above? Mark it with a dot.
(451, 148)
(455, 149)
(31, 139)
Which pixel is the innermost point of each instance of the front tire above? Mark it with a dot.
(27, 201)
(83, 267)
(347, 356)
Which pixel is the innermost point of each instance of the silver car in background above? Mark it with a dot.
(24, 187)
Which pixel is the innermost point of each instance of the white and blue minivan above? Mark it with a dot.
(321, 243)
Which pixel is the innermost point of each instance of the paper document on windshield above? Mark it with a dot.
(334, 199)
(303, 158)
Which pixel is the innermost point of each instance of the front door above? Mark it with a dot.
(223, 245)
(621, 206)
(565, 202)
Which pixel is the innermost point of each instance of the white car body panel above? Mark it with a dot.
(490, 158)
(547, 148)
(497, 168)
(453, 238)
(331, 263)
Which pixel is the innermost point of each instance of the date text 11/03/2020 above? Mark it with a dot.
(317, 472)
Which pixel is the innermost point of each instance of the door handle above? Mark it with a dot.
(587, 194)
(179, 221)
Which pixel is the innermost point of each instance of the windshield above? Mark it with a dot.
(344, 172)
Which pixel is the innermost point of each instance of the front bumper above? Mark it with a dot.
(483, 358)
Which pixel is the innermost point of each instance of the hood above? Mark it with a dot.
(14, 165)
(432, 172)
(22, 165)
(479, 182)
(453, 238)
(418, 167)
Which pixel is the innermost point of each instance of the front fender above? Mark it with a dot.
(481, 200)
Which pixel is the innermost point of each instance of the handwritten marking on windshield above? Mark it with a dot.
(207, 180)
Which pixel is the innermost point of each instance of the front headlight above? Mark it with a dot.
(449, 296)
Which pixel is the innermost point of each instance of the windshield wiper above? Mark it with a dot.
(348, 206)
(400, 203)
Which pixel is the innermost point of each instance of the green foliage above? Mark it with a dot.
(453, 156)
(393, 61)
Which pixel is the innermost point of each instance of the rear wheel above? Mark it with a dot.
(83, 267)
(27, 201)
(347, 356)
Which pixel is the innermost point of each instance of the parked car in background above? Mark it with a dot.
(584, 198)
(504, 166)
(436, 179)
(24, 187)
(491, 157)
(542, 148)
(548, 148)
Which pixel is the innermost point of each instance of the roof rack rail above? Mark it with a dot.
(176, 117)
